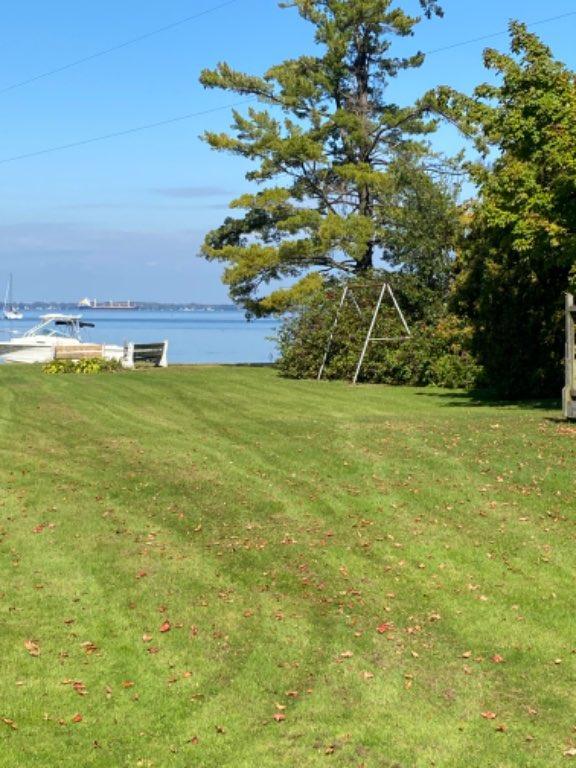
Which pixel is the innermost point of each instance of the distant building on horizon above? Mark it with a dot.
(94, 304)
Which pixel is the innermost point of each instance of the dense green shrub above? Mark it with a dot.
(88, 366)
(437, 353)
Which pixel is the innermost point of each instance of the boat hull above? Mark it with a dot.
(36, 350)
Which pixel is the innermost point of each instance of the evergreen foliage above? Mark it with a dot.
(345, 175)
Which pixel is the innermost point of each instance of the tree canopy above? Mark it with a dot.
(519, 253)
(345, 176)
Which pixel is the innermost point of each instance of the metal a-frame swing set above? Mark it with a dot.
(348, 293)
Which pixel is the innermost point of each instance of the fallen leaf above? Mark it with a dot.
(279, 717)
(153, 649)
(489, 715)
(502, 728)
(166, 627)
(10, 723)
(77, 718)
(194, 740)
(383, 628)
(570, 752)
(32, 647)
(127, 684)
(346, 655)
(89, 648)
(146, 638)
(497, 659)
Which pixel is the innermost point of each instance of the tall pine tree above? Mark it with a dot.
(329, 153)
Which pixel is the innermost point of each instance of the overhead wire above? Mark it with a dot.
(497, 34)
(126, 132)
(118, 47)
(190, 115)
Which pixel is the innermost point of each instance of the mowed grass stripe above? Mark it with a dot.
(280, 523)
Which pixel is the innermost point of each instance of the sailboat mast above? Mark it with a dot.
(7, 295)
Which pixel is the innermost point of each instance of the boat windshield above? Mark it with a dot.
(64, 326)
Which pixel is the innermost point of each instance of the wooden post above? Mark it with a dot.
(569, 391)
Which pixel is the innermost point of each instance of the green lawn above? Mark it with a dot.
(272, 527)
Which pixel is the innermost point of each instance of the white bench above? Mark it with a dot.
(155, 353)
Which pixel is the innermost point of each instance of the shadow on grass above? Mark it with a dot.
(486, 399)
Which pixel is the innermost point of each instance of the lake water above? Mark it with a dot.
(194, 337)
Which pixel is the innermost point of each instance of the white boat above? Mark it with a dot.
(10, 312)
(38, 345)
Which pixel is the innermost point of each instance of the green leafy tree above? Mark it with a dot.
(345, 175)
(519, 252)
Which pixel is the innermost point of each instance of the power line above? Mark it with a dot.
(498, 34)
(126, 132)
(112, 49)
(190, 115)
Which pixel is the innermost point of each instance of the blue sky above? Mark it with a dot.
(124, 218)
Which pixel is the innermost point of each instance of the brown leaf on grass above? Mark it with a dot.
(79, 687)
(146, 638)
(571, 752)
(141, 574)
(77, 718)
(384, 627)
(346, 655)
(32, 647)
(127, 684)
(502, 728)
(489, 715)
(153, 649)
(497, 659)
(10, 723)
(166, 627)
(194, 740)
(279, 717)
(89, 648)
(467, 654)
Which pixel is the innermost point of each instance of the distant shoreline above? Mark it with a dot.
(139, 305)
